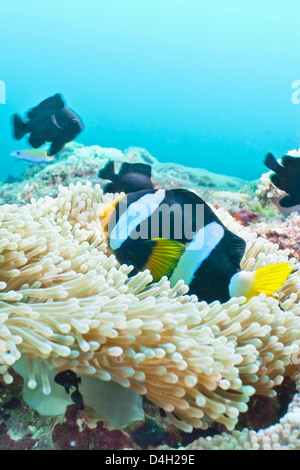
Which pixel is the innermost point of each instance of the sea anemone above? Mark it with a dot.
(65, 304)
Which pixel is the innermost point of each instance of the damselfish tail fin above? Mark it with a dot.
(271, 163)
(264, 280)
(108, 172)
(20, 127)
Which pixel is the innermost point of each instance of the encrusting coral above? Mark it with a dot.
(64, 301)
(285, 233)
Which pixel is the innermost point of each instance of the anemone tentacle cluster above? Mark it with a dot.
(284, 435)
(64, 301)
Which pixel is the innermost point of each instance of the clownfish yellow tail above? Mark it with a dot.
(264, 280)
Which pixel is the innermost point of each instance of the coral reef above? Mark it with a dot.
(79, 163)
(285, 233)
(75, 434)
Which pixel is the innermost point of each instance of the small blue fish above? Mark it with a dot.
(34, 156)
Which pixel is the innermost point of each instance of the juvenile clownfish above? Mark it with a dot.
(174, 233)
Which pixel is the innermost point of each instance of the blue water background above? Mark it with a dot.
(203, 83)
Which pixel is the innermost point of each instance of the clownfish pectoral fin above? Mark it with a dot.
(164, 257)
(264, 280)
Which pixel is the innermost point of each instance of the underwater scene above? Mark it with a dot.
(149, 226)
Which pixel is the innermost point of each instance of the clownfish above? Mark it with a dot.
(174, 233)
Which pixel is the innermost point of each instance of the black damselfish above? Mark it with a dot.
(131, 177)
(50, 121)
(69, 379)
(77, 399)
(175, 233)
(286, 177)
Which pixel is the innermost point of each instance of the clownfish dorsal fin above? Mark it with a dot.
(164, 257)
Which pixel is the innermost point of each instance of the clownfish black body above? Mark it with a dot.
(174, 233)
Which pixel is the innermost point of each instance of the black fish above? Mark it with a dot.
(50, 121)
(286, 177)
(67, 379)
(131, 177)
(78, 400)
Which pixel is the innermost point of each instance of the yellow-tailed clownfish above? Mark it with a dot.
(174, 233)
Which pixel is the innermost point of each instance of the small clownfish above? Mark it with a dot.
(174, 233)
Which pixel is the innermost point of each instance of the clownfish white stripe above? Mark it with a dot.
(205, 240)
(136, 213)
